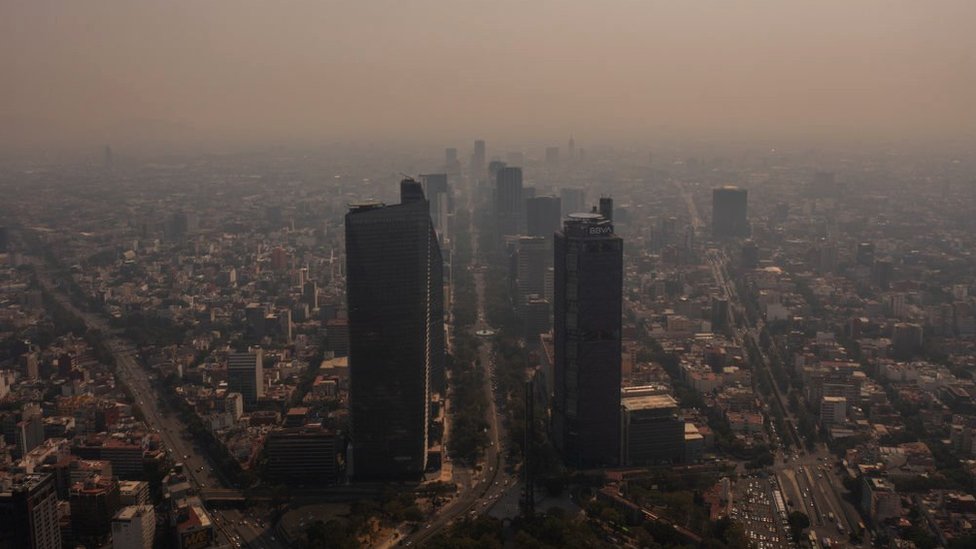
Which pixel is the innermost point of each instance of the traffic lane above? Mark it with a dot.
(135, 378)
(224, 531)
(808, 501)
(172, 431)
(818, 495)
(243, 530)
(840, 524)
(851, 514)
(828, 526)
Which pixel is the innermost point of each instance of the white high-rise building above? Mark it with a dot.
(134, 527)
(833, 410)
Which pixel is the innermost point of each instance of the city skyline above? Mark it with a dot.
(561, 273)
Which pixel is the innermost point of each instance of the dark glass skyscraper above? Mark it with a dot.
(439, 198)
(396, 333)
(478, 158)
(542, 215)
(606, 207)
(586, 334)
(729, 212)
(573, 200)
(245, 375)
(509, 212)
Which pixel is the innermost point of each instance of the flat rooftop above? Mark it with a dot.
(649, 402)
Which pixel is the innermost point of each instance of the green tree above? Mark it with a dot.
(799, 521)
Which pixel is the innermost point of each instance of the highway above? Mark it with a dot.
(172, 432)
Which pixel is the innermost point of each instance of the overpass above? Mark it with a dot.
(222, 497)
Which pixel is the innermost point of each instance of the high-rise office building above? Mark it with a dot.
(279, 259)
(587, 312)
(29, 432)
(478, 158)
(134, 527)
(396, 333)
(254, 315)
(508, 202)
(534, 258)
(542, 216)
(451, 163)
(245, 375)
(720, 313)
(310, 294)
(729, 212)
(303, 455)
(573, 200)
(750, 255)
(29, 512)
(93, 504)
(438, 196)
(906, 340)
(865, 254)
(494, 167)
(652, 430)
(606, 207)
(535, 319)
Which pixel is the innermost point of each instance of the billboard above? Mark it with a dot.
(197, 539)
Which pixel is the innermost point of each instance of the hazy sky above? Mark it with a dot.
(249, 72)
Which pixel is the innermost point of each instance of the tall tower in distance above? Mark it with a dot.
(439, 198)
(573, 200)
(729, 212)
(587, 327)
(508, 202)
(606, 207)
(478, 158)
(542, 215)
(396, 333)
(451, 163)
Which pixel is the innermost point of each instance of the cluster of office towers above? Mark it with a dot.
(569, 277)
(567, 268)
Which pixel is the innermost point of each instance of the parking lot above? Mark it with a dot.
(753, 508)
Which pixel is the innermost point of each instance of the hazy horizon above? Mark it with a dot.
(247, 73)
